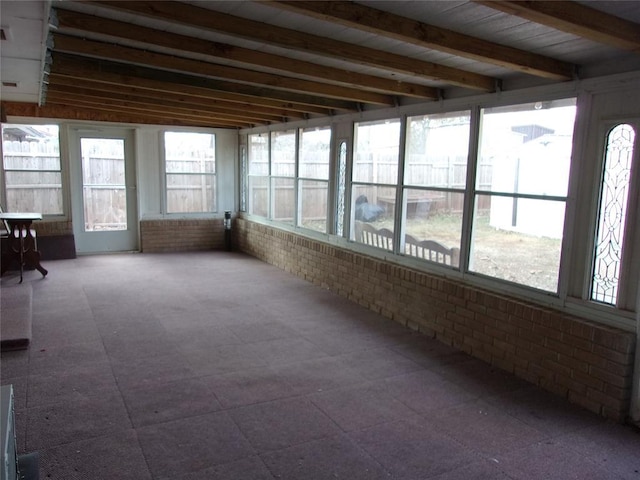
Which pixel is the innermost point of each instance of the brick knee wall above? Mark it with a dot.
(170, 235)
(589, 364)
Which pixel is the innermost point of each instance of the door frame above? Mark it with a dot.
(103, 242)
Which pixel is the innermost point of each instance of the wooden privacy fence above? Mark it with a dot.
(32, 176)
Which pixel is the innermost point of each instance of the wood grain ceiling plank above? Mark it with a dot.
(575, 18)
(155, 104)
(92, 48)
(162, 81)
(116, 106)
(90, 24)
(64, 111)
(178, 98)
(412, 31)
(224, 23)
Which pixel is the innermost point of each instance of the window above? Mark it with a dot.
(313, 177)
(374, 180)
(243, 178)
(341, 188)
(612, 214)
(190, 172)
(435, 173)
(283, 172)
(522, 174)
(258, 201)
(32, 173)
(288, 174)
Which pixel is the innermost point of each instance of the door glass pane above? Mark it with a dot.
(103, 184)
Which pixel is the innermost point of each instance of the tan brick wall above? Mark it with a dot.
(46, 229)
(181, 235)
(589, 364)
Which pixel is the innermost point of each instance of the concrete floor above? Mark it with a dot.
(217, 366)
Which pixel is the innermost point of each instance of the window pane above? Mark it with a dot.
(34, 192)
(526, 148)
(190, 165)
(612, 214)
(342, 179)
(258, 154)
(433, 216)
(437, 150)
(243, 178)
(372, 209)
(259, 196)
(315, 145)
(188, 152)
(31, 159)
(313, 204)
(190, 193)
(518, 240)
(376, 152)
(283, 199)
(283, 153)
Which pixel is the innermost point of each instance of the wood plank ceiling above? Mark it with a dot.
(241, 64)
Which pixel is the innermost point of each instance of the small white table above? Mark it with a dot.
(22, 243)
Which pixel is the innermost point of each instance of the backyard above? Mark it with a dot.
(512, 256)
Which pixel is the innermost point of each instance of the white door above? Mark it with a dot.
(104, 202)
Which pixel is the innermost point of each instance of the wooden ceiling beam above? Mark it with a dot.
(74, 22)
(162, 81)
(121, 107)
(250, 29)
(92, 48)
(387, 24)
(178, 99)
(575, 18)
(66, 112)
(154, 104)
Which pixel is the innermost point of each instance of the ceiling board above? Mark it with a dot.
(271, 77)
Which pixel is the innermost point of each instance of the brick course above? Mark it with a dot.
(168, 235)
(589, 364)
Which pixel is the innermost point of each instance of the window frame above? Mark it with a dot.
(300, 179)
(63, 169)
(353, 184)
(629, 284)
(163, 155)
(572, 285)
(404, 185)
